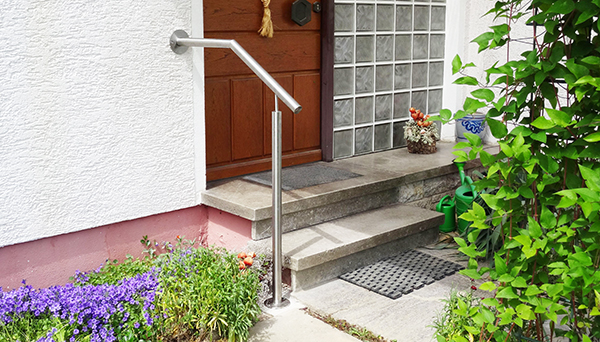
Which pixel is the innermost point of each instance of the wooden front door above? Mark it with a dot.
(239, 105)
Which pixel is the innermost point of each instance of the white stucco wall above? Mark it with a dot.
(465, 21)
(97, 120)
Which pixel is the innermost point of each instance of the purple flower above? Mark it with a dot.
(96, 309)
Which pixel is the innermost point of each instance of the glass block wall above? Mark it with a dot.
(388, 56)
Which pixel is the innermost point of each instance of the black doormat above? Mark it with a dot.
(303, 176)
(401, 274)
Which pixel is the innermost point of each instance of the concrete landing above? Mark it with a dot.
(407, 318)
(388, 177)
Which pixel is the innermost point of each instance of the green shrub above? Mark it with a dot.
(545, 113)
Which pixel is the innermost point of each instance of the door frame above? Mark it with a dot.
(327, 56)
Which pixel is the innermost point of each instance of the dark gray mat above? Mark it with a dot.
(401, 274)
(303, 176)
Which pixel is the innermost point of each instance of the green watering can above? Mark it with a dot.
(463, 200)
(464, 196)
(446, 206)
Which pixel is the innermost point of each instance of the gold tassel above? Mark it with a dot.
(266, 29)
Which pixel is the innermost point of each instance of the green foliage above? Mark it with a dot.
(543, 186)
(202, 295)
(205, 294)
(112, 272)
(461, 317)
(34, 328)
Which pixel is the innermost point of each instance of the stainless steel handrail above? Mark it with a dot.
(180, 41)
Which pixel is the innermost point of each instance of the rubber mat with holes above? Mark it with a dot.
(401, 274)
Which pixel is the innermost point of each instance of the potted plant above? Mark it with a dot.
(473, 123)
(420, 134)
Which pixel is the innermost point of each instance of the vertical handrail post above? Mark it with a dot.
(179, 43)
(277, 299)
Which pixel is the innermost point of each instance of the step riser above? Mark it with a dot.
(316, 275)
(262, 229)
(401, 231)
(424, 193)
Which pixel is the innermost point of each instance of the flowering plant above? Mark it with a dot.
(419, 129)
(71, 312)
(185, 293)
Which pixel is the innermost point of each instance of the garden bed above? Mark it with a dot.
(185, 294)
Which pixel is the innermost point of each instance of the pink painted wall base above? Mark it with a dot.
(51, 261)
(227, 230)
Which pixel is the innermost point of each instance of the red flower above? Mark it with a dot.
(473, 288)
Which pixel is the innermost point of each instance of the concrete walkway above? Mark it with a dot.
(404, 319)
(293, 324)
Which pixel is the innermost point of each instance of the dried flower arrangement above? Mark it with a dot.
(420, 134)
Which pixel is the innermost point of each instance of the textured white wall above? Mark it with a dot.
(97, 123)
(465, 21)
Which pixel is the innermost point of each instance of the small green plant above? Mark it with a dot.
(206, 295)
(454, 321)
(419, 130)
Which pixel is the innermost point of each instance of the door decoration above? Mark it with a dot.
(301, 12)
(266, 29)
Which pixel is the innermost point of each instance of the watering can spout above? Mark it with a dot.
(464, 179)
(464, 196)
(461, 170)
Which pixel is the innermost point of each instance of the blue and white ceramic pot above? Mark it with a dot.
(474, 123)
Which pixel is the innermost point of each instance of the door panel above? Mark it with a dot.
(247, 126)
(218, 120)
(285, 52)
(239, 105)
(245, 16)
(307, 92)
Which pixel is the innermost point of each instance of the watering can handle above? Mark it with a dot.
(469, 182)
(441, 202)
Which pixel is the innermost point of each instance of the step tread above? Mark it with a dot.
(331, 240)
(380, 171)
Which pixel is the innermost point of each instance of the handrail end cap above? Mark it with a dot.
(178, 49)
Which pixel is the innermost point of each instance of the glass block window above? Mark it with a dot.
(388, 56)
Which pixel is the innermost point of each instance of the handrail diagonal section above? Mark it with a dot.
(180, 41)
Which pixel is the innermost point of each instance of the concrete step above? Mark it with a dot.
(303, 207)
(388, 177)
(324, 251)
